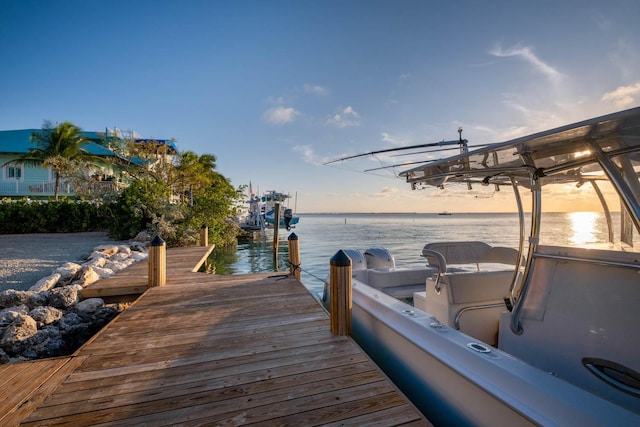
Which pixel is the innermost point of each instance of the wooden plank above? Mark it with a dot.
(215, 350)
(45, 375)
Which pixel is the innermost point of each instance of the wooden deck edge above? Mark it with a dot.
(41, 390)
(400, 392)
(203, 259)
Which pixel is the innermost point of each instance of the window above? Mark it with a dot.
(14, 172)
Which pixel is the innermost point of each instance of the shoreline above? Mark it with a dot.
(26, 258)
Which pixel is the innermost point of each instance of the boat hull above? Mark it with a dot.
(454, 384)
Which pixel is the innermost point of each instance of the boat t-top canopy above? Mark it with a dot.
(568, 153)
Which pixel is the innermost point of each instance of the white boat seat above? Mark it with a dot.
(470, 301)
(442, 254)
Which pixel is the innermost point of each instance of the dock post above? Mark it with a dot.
(294, 255)
(276, 231)
(340, 293)
(204, 235)
(157, 262)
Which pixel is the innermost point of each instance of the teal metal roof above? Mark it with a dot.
(18, 142)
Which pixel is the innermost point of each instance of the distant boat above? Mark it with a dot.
(287, 217)
(444, 213)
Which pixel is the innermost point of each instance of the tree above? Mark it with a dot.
(56, 147)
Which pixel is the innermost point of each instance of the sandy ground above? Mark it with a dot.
(26, 258)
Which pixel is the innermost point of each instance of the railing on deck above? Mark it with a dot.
(47, 188)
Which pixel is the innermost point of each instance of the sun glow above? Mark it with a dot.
(583, 227)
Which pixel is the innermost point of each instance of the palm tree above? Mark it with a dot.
(56, 147)
(195, 172)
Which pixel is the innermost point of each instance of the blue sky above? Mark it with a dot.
(276, 88)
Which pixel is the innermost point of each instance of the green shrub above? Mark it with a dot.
(62, 216)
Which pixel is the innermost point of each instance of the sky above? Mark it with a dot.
(274, 89)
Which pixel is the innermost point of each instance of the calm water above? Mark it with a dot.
(322, 235)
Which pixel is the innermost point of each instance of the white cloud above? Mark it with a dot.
(385, 192)
(347, 117)
(280, 115)
(308, 155)
(395, 140)
(623, 96)
(315, 89)
(527, 55)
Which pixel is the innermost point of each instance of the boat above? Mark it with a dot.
(268, 210)
(252, 219)
(537, 334)
(444, 213)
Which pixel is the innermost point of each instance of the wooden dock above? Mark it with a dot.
(207, 350)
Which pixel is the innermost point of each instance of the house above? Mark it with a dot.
(28, 180)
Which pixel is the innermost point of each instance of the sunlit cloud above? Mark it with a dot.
(623, 96)
(345, 118)
(308, 155)
(394, 140)
(315, 89)
(280, 115)
(526, 54)
(385, 192)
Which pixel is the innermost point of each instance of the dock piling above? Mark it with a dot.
(204, 235)
(294, 255)
(340, 293)
(157, 262)
(276, 231)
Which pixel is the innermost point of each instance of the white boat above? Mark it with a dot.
(252, 220)
(534, 335)
(268, 205)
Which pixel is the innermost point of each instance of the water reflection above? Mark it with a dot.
(583, 227)
(250, 256)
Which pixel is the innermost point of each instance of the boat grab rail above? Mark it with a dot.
(456, 321)
(634, 265)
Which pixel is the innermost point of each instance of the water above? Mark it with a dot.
(322, 235)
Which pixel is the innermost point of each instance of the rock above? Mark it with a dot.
(120, 256)
(48, 342)
(38, 299)
(46, 283)
(85, 276)
(116, 266)
(103, 272)
(143, 237)
(65, 297)
(11, 297)
(123, 249)
(11, 314)
(139, 256)
(49, 320)
(89, 306)
(45, 315)
(67, 271)
(96, 261)
(14, 336)
(108, 250)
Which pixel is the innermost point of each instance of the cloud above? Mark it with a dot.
(347, 117)
(528, 56)
(623, 96)
(385, 192)
(315, 89)
(308, 155)
(280, 115)
(393, 140)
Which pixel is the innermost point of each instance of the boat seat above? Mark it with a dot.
(470, 301)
